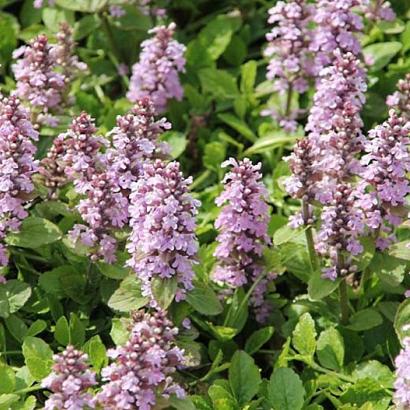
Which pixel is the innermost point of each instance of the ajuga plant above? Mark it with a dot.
(205, 205)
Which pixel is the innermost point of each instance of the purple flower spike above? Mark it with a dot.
(162, 242)
(37, 81)
(143, 367)
(336, 28)
(69, 382)
(385, 168)
(243, 224)
(63, 53)
(156, 75)
(379, 10)
(400, 100)
(135, 140)
(290, 63)
(17, 165)
(342, 224)
(401, 396)
(334, 122)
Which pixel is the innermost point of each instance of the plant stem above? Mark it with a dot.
(29, 389)
(344, 306)
(326, 371)
(289, 100)
(309, 238)
(247, 296)
(11, 352)
(344, 301)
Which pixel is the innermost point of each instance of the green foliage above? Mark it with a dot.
(305, 357)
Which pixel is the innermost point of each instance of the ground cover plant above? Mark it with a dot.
(204, 204)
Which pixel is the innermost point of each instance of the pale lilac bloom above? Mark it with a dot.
(63, 53)
(156, 74)
(385, 167)
(302, 184)
(104, 206)
(142, 369)
(69, 381)
(401, 395)
(162, 243)
(400, 100)
(122, 69)
(291, 63)
(242, 225)
(337, 24)
(135, 140)
(334, 122)
(341, 226)
(379, 10)
(38, 4)
(116, 11)
(38, 83)
(17, 165)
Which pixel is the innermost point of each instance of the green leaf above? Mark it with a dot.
(4, 303)
(286, 234)
(8, 379)
(380, 54)
(365, 319)
(304, 335)
(218, 83)
(7, 399)
(295, 258)
(73, 285)
(364, 391)
(402, 320)
(177, 141)
(50, 280)
(16, 327)
(270, 142)
(400, 250)
(285, 390)
(85, 6)
(62, 331)
(113, 271)
(204, 300)
(38, 357)
(182, 404)
(86, 25)
(388, 268)
(238, 125)
(216, 36)
(244, 377)
(29, 14)
(128, 296)
(119, 332)
(319, 288)
(214, 154)
(405, 38)
(257, 339)
(376, 371)
(164, 291)
(236, 51)
(52, 17)
(36, 327)
(248, 76)
(17, 294)
(221, 398)
(330, 349)
(9, 28)
(35, 232)
(97, 353)
(77, 330)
